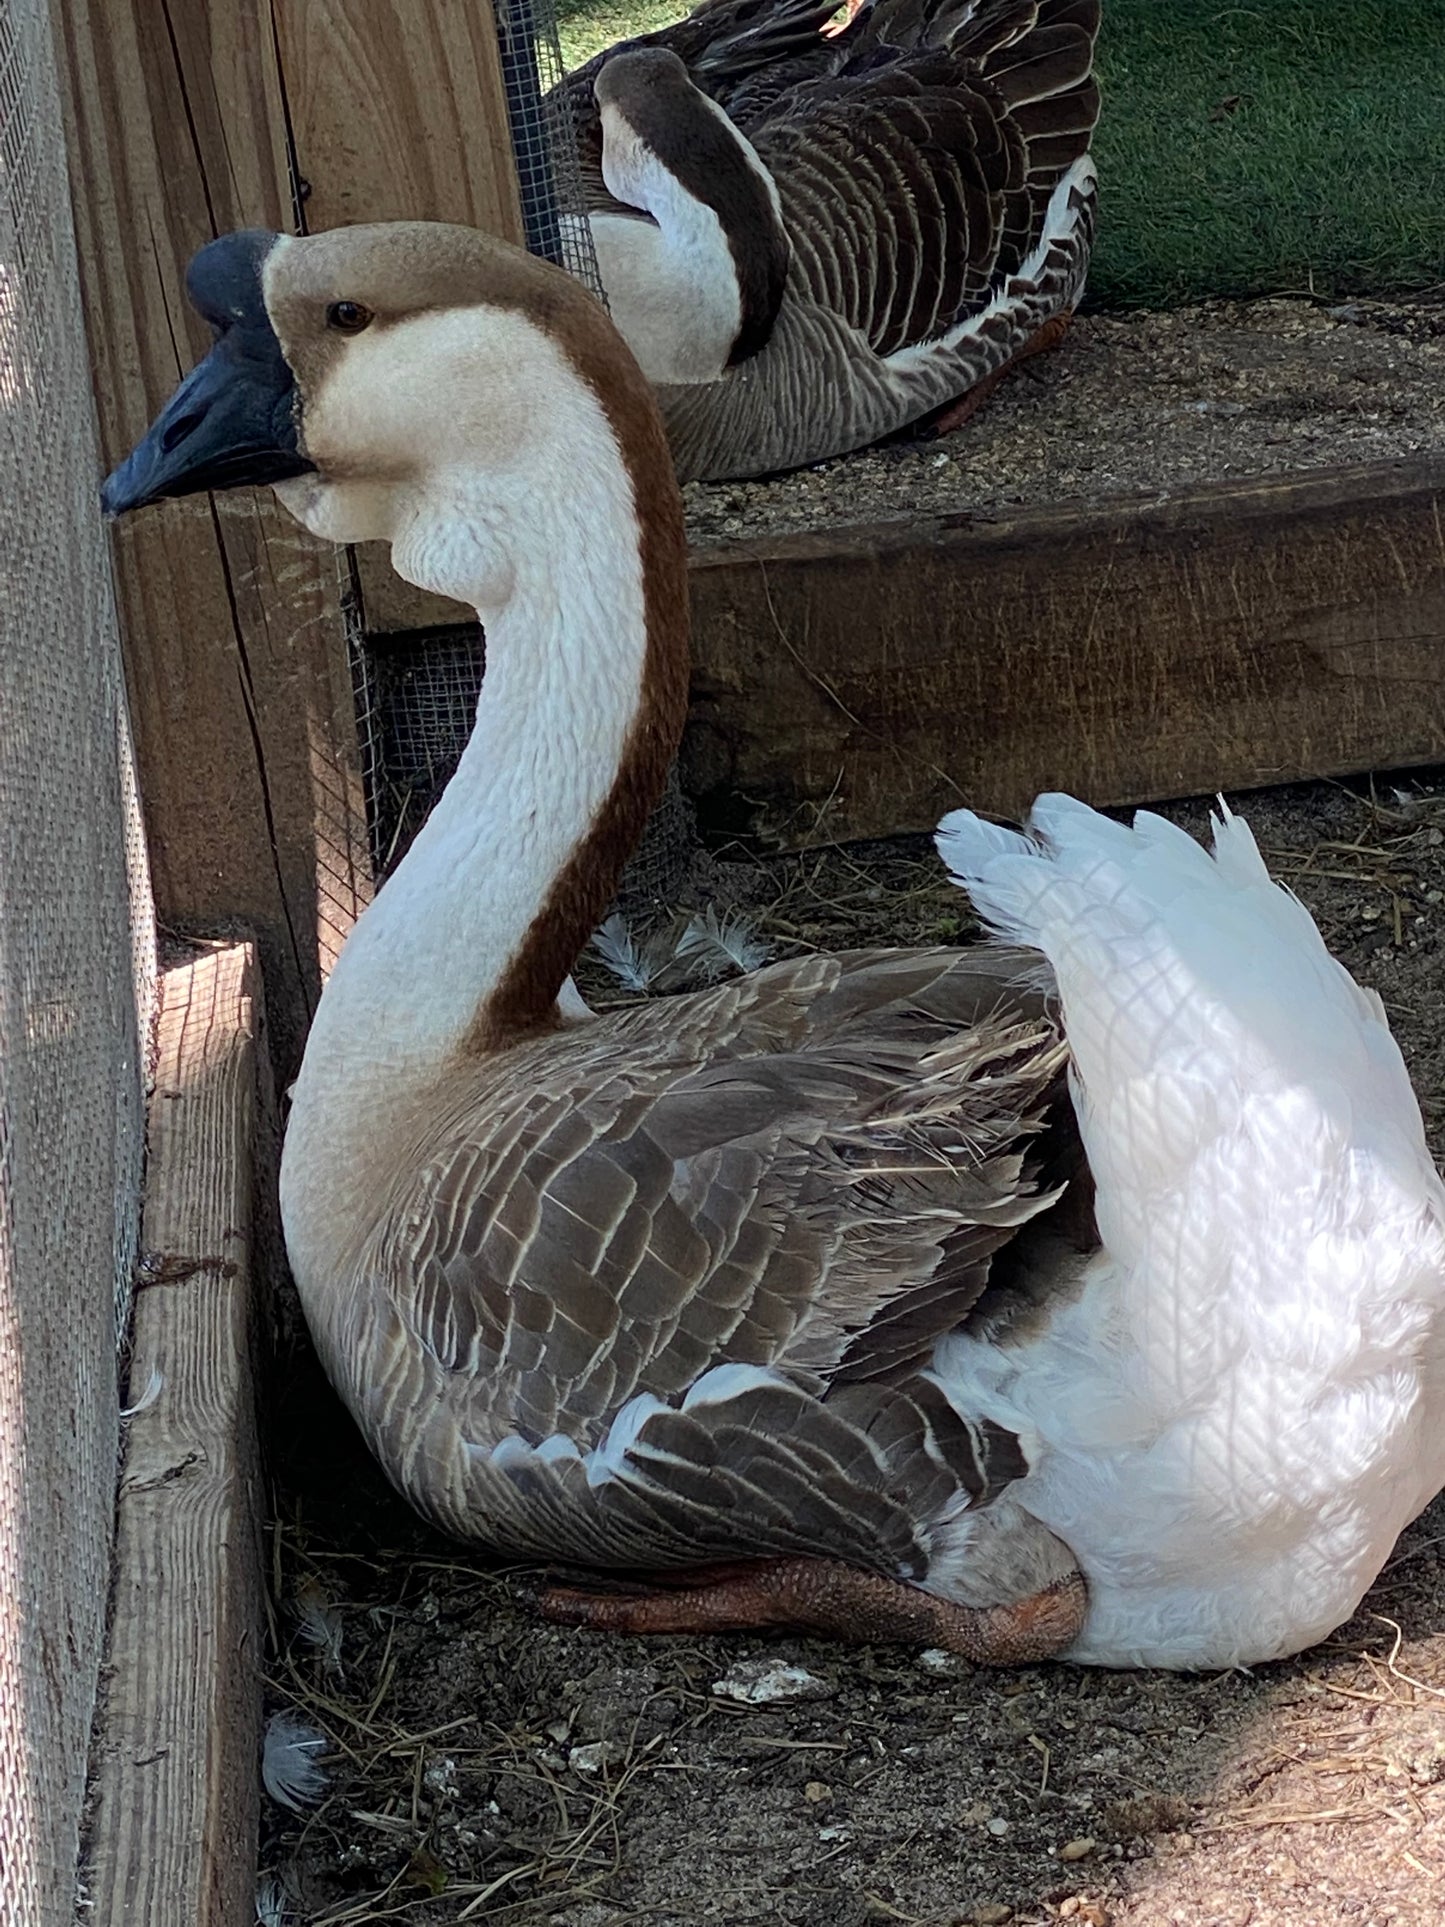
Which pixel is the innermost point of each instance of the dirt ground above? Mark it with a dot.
(483, 1766)
(1137, 404)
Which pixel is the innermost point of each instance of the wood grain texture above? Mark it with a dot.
(174, 1765)
(860, 682)
(235, 645)
(398, 113)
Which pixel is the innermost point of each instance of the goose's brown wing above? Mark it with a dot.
(911, 187)
(915, 153)
(803, 1177)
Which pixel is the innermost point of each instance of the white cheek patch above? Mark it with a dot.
(403, 420)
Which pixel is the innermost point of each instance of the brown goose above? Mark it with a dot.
(799, 1293)
(812, 241)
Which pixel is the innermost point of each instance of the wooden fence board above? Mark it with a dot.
(235, 647)
(398, 114)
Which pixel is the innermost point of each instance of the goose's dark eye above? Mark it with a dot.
(347, 317)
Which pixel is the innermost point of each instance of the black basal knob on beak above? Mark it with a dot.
(232, 421)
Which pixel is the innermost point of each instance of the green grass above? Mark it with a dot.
(587, 26)
(1280, 145)
(1283, 145)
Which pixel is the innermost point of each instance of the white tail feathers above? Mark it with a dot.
(1072, 862)
(1021, 883)
(1164, 951)
(1235, 850)
(966, 842)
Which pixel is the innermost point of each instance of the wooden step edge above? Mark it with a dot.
(175, 1784)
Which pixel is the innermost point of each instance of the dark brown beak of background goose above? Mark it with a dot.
(232, 421)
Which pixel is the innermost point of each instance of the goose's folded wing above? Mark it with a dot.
(817, 1163)
(909, 193)
(741, 1223)
(914, 155)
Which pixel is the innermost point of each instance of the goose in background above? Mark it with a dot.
(811, 240)
(1081, 1293)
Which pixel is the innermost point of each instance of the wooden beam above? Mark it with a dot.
(862, 681)
(235, 643)
(175, 1763)
(185, 121)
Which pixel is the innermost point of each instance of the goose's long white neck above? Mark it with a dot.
(672, 287)
(562, 690)
(553, 562)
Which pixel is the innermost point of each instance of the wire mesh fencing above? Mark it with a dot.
(544, 138)
(76, 948)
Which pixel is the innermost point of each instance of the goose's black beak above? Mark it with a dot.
(232, 421)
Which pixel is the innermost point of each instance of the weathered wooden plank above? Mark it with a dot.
(860, 682)
(174, 1766)
(235, 648)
